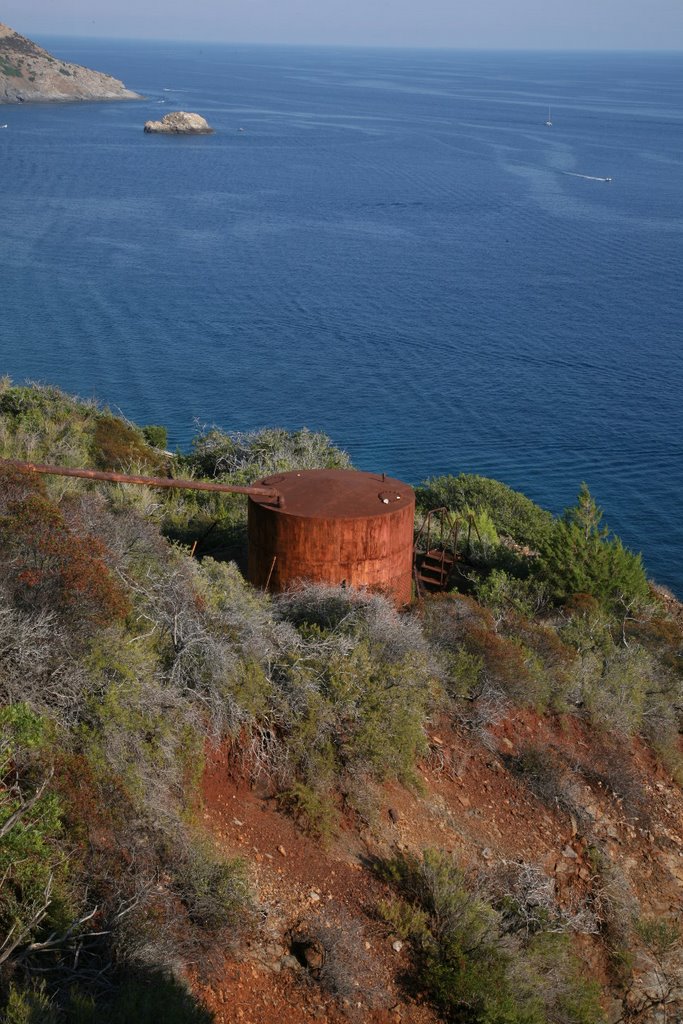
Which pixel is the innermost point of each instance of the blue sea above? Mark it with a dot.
(395, 250)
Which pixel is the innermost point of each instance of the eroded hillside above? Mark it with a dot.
(219, 804)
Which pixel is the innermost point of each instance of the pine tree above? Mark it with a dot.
(580, 556)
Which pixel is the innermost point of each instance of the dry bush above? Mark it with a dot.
(658, 991)
(129, 532)
(333, 954)
(27, 651)
(557, 659)
(551, 779)
(345, 614)
(614, 904)
(41, 665)
(205, 643)
(164, 895)
(617, 699)
(263, 452)
(50, 564)
(457, 624)
(613, 770)
(525, 897)
(447, 618)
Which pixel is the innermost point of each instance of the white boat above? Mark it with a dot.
(549, 122)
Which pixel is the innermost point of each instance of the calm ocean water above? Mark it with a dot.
(396, 250)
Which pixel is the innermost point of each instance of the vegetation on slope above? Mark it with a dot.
(479, 953)
(120, 654)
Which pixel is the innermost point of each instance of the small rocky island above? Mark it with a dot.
(29, 74)
(180, 123)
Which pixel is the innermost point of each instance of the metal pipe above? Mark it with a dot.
(148, 481)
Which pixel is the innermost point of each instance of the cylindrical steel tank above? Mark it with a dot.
(333, 526)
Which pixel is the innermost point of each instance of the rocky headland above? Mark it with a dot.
(179, 123)
(29, 74)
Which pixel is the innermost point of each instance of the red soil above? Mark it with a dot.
(472, 804)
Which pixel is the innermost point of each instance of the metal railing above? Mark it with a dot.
(436, 522)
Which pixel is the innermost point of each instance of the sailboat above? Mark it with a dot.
(549, 122)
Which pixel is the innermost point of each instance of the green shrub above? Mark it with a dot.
(358, 714)
(156, 436)
(552, 664)
(471, 967)
(463, 674)
(622, 688)
(504, 593)
(511, 513)
(579, 557)
(553, 978)
(465, 632)
(132, 727)
(661, 952)
(45, 425)
(214, 890)
(507, 665)
(315, 811)
(406, 920)
(33, 867)
(589, 628)
(6, 68)
(353, 687)
(30, 1005)
(119, 446)
(661, 937)
(617, 697)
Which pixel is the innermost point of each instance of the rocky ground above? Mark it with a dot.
(29, 74)
(321, 953)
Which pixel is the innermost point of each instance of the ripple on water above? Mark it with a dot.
(396, 251)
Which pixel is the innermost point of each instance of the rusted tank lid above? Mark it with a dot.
(336, 493)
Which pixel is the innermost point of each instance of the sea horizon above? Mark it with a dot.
(363, 47)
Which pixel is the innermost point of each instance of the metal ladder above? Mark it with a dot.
(434, 551)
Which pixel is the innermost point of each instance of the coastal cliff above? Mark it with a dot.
(310, 805)
(29, 74)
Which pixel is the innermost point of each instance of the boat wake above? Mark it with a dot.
(588, 177)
